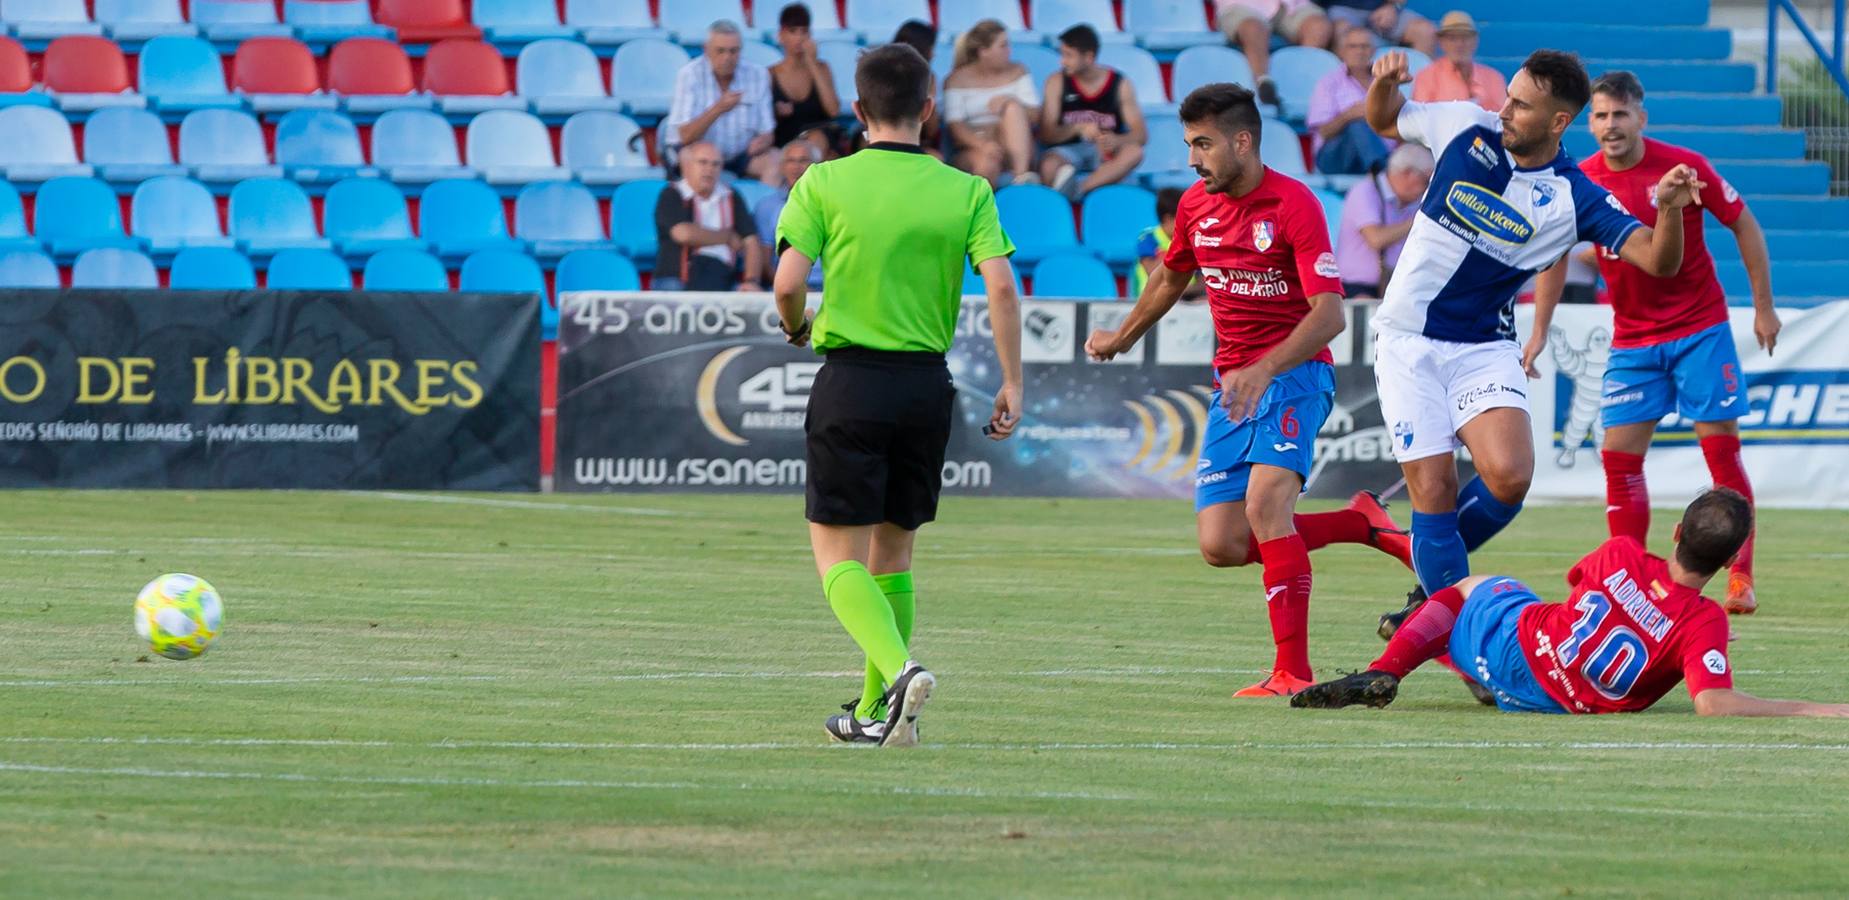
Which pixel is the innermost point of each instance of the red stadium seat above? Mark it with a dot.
(369, 66)
(457, 66)
(274, 65)
(15, 67)
(82, 64)
(427, 21)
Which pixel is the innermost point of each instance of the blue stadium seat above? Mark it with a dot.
(842, 58)
(686, 20)
(642, 74)
(416, 146)
(224, 146)
(459, 217)
(1041, 62)
(510, 147)
(607, 23)
(363, 216)
(213, 269)
(1332, 213)
(876, 20)
(603, 148)
(114, 267)
(1165, 157)
(1055, 16)
(13, 232)
(307, 269)
(1296, 70)
(320, 146)
(751, 191)
(561, 78)
(632, 220)
(232, 21)
(1279, 147)
(35, 22)
(173, 213)
(596, 270)
(1196, 66)
(78, 214)
(128, 146)
(405, 270)
(272, 214)
(510, 24)
(1165, 25)
(1075, 275)
(760, 53)
(321, 23)
(1112, 216)
(27, 268)
(956, 16)
(1038, 219)
(558, 217)
(179, 73)
(511, 272)
(1145, 75)
(132, 21)
(38, 145)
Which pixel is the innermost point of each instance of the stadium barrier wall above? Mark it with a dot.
(195, 389)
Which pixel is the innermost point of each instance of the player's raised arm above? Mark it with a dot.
(1729, 702)
(1005, 323)
(1658, 250)
(1384, 99)
(1160, 295)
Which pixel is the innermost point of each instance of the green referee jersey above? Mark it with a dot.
(892, 227)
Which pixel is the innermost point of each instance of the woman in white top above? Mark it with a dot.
(990, 103)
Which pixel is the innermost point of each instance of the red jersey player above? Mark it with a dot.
(1633, 626)
(1261, 245)
(1672, 349)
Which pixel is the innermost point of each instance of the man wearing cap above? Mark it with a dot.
(1457, 75)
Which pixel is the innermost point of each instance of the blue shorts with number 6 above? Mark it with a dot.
(1281, 433)
(1697, 376)
(1485, 643)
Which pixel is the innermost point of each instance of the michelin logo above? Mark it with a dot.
(1584, 367)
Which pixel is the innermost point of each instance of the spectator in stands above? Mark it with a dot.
(923, 38)
(723, 100)
(1249, 24)
(1153, 243)
(1091, 123)
(990, 107)
(1389, 20)
(1341, 140)
(795, 159)
(1457, 75)
(1376, 217)
(705, 230)
(802, 87)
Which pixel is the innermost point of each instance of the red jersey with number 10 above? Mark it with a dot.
(1646, 309)
(1625, 636)
(1261, 256)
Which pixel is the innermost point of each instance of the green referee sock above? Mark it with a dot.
(861, 606)
(904, 602)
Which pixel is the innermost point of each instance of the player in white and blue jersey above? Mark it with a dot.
(1505, 202)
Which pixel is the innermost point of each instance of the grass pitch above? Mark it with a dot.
(576, 696)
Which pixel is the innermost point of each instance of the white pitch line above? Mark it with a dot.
(511, 504)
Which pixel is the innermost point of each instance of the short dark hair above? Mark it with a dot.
(1081, 37)
(1168, 200)
(795, 15)
(1560, 74)
(1713, 529)
(1230, 106)
(919, 35)
(1620, 85)
(894, 81)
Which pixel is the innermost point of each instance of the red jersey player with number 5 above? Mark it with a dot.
(1672, 349)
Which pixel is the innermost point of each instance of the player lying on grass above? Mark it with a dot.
(1634, 625)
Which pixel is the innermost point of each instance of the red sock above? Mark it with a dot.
(1729, 471)
(1319, 530)
(1423, 636)
(1287, 600)
(1627, 498)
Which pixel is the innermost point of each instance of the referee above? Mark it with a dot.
(892, 227)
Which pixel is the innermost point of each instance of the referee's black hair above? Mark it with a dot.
(1620, 85)
(1081, 37)
(1230, 106)
(894, 81)
(795, 15)
(1560, 74)
(1713, 529)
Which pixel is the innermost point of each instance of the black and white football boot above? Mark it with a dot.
(850, 728)
(904, 700)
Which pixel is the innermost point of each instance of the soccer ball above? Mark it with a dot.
(179, 615)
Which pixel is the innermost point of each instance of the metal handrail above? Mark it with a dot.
(1833, 59)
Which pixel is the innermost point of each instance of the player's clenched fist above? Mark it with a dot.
(1102, 345)
(1392, 66)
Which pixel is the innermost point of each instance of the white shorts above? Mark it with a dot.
(1430, 388)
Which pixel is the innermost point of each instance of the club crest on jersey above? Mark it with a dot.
(1481, 152)
(1262, 233)
(1543, 193)
(1485, 212)
(1201, 237)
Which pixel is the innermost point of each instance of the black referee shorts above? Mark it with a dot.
(877, 425)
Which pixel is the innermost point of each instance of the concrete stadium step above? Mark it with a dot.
(1816, 213)
(1637, 12)
(1688, 77)
(1714, 143)
(1810, 278)
(1712, 110)
(1606, 41)
(1759, 176)
(1784, 245)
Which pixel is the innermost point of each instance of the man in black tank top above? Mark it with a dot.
(1091, 123)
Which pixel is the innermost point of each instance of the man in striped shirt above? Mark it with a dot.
(723, 100)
